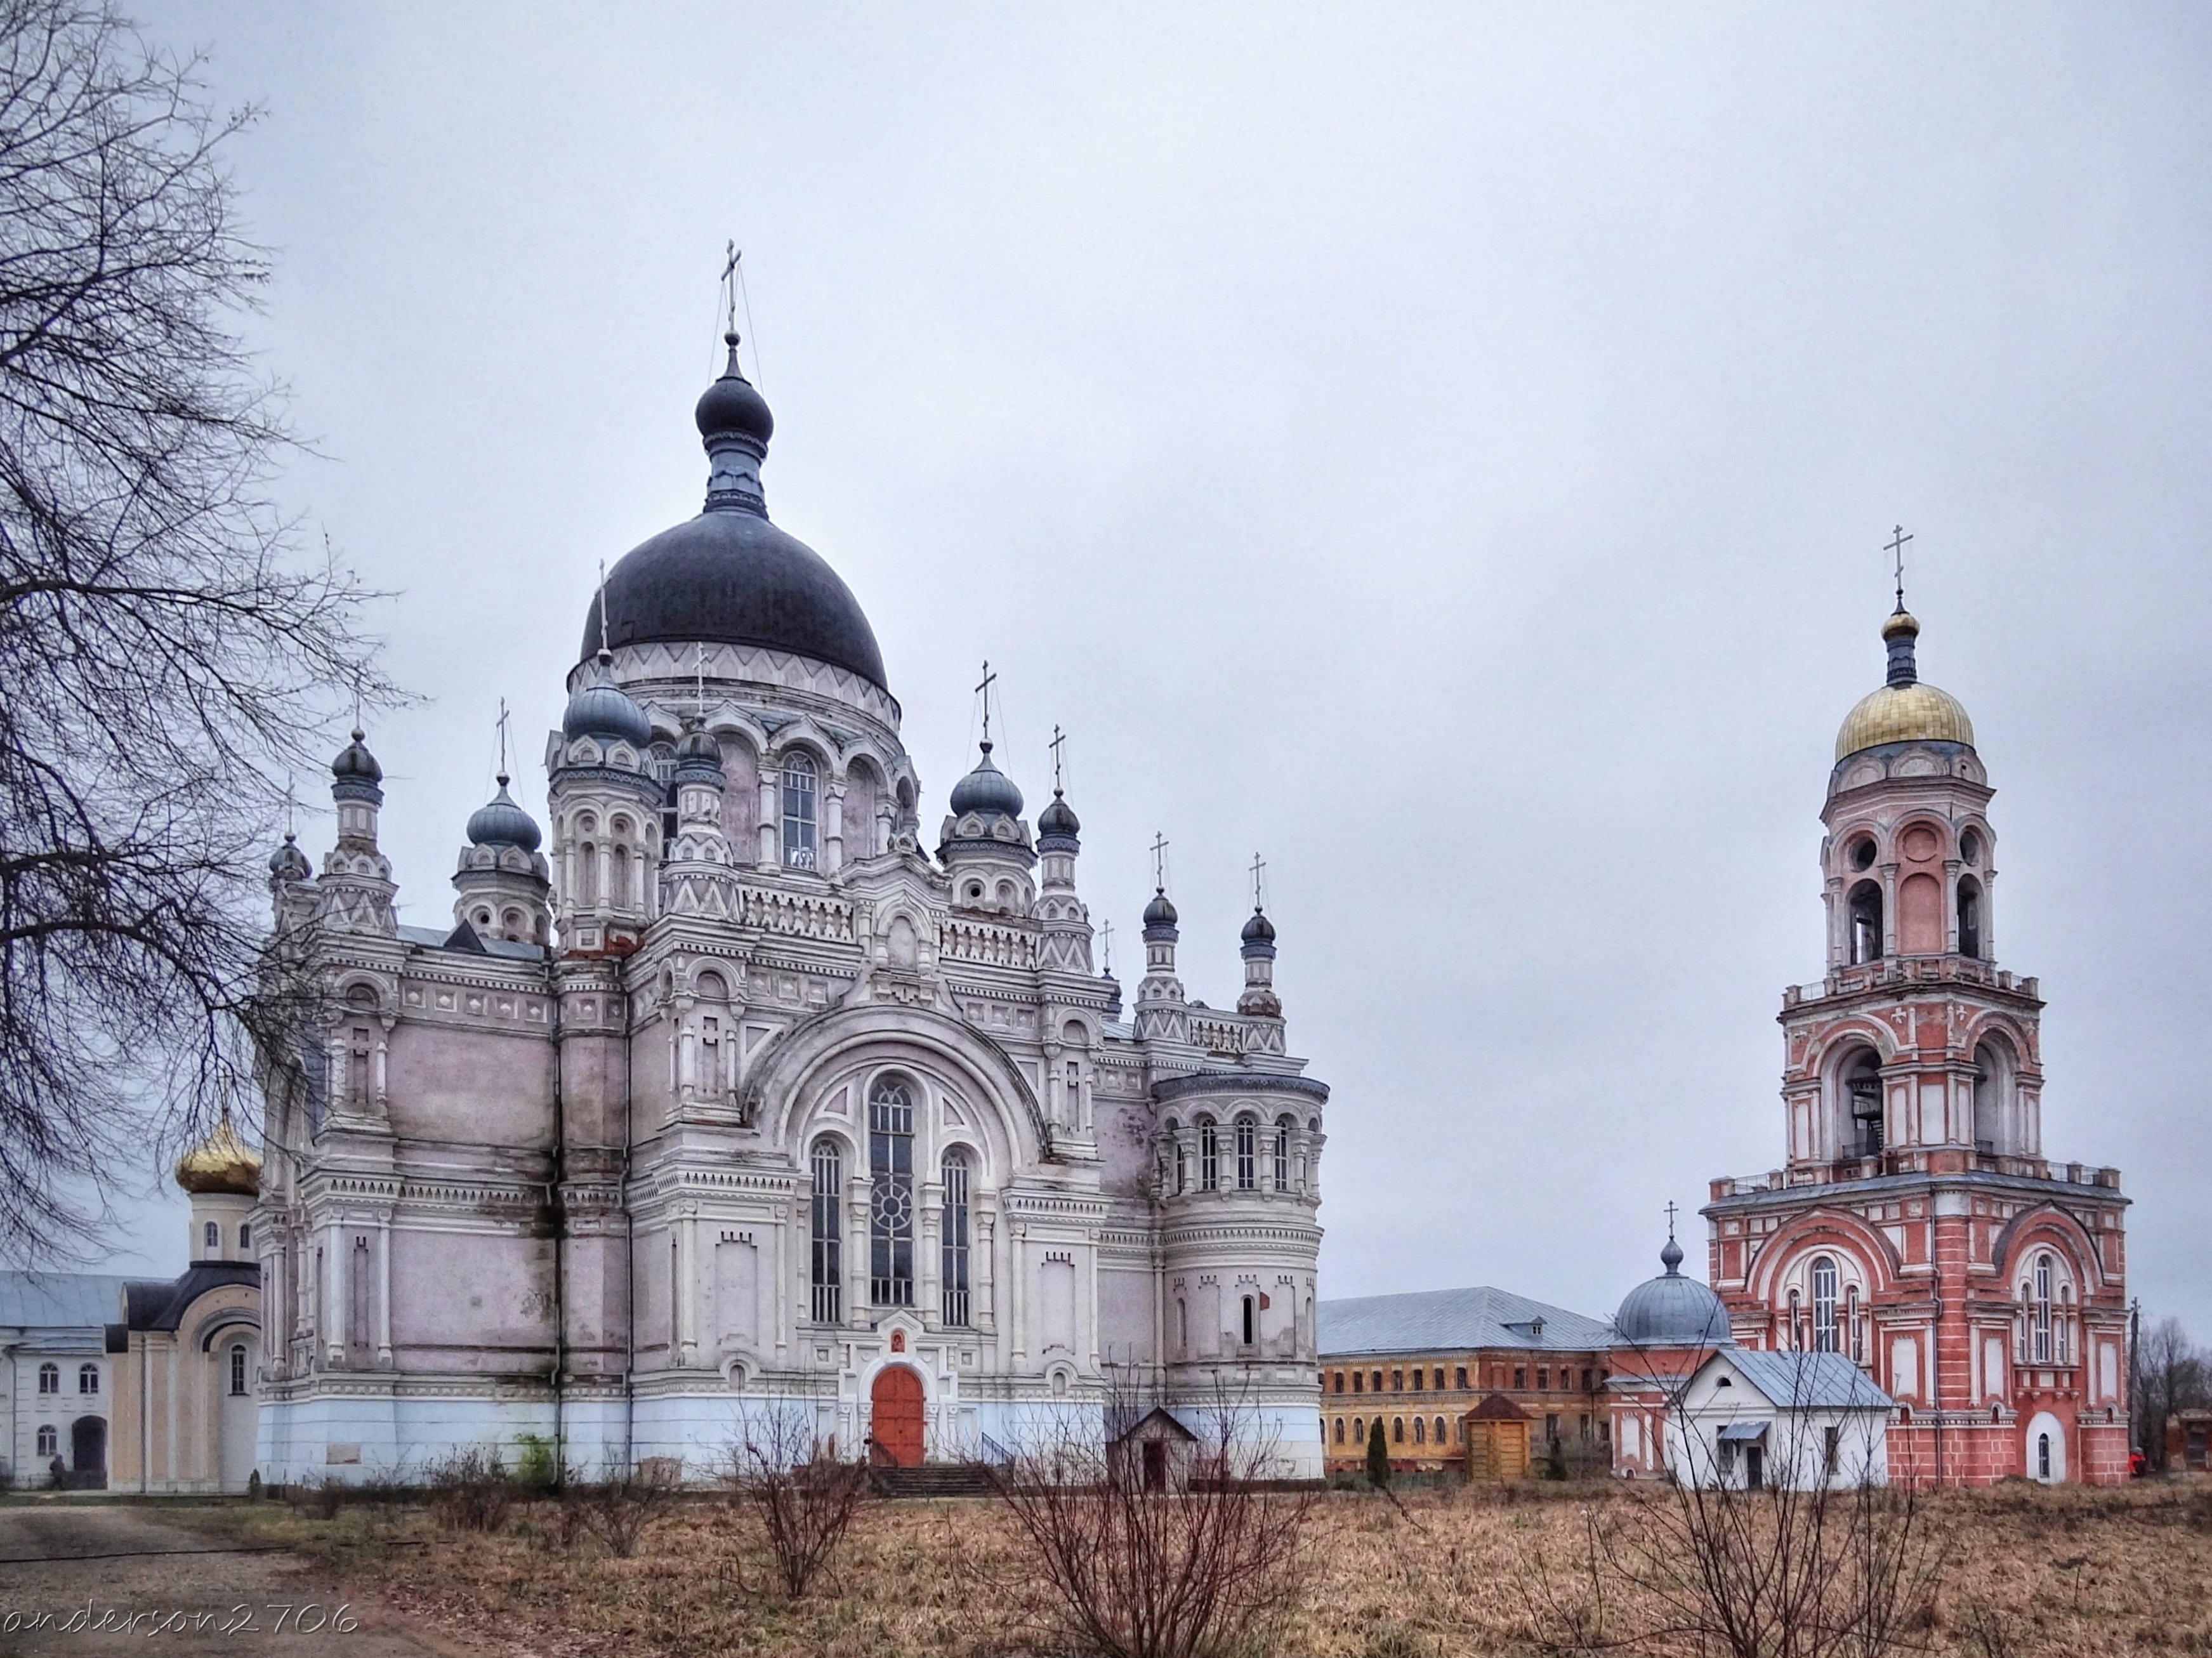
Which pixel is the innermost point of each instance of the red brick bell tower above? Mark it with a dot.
(1917, 1224)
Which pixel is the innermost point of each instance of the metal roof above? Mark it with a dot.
(1812, 1381)
(59, 1300)
(1436, 1320)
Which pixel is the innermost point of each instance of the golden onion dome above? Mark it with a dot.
(1905, 710)
(221, 1163)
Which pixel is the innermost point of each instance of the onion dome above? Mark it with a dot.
(355, 772)
(601, 709)
(1904, 710)
(501, 822)
(220, 1162)
(1160, 915)
(729, 576)
(698, 757)
(1057, 820)
(1259, 934)
(987, 790)
(289, 863)
(1671, 1310)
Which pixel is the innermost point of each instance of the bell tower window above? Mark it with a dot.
(798, 792)
(1824, 1305)
(1865, 909)
(1969, 919)
(1862, 1093)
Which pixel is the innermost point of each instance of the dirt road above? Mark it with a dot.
(83, 1577)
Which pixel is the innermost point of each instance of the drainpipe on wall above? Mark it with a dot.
(630, 1266)
(560, 1173)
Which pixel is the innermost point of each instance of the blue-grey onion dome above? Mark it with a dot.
(602, 709)
(731, 408)
(1671, 1310)
(1258, 930)
(289, 863)
(1058, 818)
(501, 822)
(1159, 912)
(987, 790)
(699, 757)
(355, 763)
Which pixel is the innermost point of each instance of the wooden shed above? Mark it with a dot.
(1496, 1437)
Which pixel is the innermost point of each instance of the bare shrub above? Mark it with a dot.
(805, 1497)
(470, 1491)
(1192, 1552)
(618, 1506)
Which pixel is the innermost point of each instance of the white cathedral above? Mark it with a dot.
(745, 1101)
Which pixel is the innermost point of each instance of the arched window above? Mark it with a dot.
(1209, 1155)
(2042, 1310)
(1421, 1430)
(1824, 1305)
(1398, 1429)
(245, 1235)
(1340, 1428)
(890, 1195)
(2043, 1456)
(88, 1378)
(618, 881)
(1182, 1326)
(1863, 1094)
(211, 1236)
(1282, 1154)
(954, 1231)
(1358, 1429)
(1969, 919)
(799, 810)
(1440, 1430)
(50, 1440)
(1992, 1094)
(1864, 907)
(237, 1369)
(50, 1378)
(1248, 1153)
(1181, 1156)
(827, 1275)
(1251, 1321)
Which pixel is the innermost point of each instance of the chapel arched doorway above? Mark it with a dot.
(88, 1452)
(237, 1357)
(895, 1415)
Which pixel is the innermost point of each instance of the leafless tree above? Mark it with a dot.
(167, 655)
(2170, 1374)
(1811, 1564)
(805, 1497)
(1192, 1553)
(617, 1507)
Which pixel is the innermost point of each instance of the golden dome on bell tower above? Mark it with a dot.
(220, 1162)
(1907, 709)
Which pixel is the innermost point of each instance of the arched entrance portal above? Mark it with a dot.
(88, 1452)
(895, 1416)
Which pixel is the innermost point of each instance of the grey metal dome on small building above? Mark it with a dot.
(1159, 913)
(600, 708)
(1260, 930)
(1057, 820)
(289, 863)
(1671, 1310)
(986, 791)
(356, 762)
(501, 822)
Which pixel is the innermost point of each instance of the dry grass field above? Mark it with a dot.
(2086, 1574)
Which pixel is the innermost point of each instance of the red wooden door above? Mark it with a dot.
(895, 1416)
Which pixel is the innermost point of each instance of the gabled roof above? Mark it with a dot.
(163, 1306)
(1811, 1382)
(1434, 1321)
(59, 1300)
(1498, 1408)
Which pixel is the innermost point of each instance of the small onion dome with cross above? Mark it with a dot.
(987, 790)
(221, 1163)
(1671, 1310)
(501, 822)
(600, 708)
(1160, 916)
(1058, 823)
(289, 863)
(1259, 934)
(1905, 709)
(699, 757)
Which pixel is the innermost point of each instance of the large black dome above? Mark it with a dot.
(732, 577)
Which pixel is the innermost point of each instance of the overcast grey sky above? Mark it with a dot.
(1446, 449)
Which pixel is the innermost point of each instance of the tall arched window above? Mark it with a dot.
(2042, 1310)
(1862, 1095)
(799, 810)
(1970, 917)
(211, 1239)
(1182, 1159)
(1248, 1153)
(1282, 1154)
(88, 1378)
(1421, 1430)
(1398, 1429)
(890, 1195)
(237, 1369)
(50, 1440)
(827, 1277)
(245, 1235)
(1992, 1093)
(954, 1231)
(2043, 1456)
(1340, 1430)
(1823, 1306)
(1209, 1155)
(619, 883)
(1864, 905)
(50, 1378)
(1251, 1321)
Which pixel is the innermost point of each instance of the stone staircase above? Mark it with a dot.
(931, 1479)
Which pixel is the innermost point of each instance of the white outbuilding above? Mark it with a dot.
(1747, 1420)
